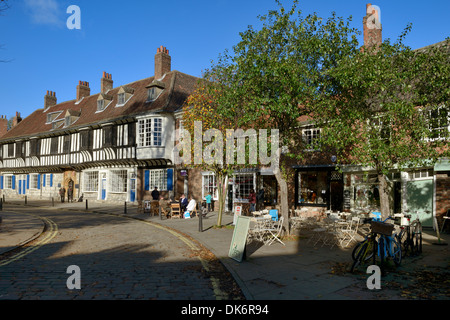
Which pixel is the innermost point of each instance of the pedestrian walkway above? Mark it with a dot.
(296, 271)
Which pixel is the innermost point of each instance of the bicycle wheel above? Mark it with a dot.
(360, 257)
(396, 252)
(381, 251)
(417, 238)
(403, 239)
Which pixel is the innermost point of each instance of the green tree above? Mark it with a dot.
(274, 74)
(379, 106)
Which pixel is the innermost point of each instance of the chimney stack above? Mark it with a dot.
(372, 27)
(49, 100)
(83, 90)
(16, 120)
(106, 82)
(162, 62)
(3, 126)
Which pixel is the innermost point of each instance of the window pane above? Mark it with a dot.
(313, 186)
(119, 181)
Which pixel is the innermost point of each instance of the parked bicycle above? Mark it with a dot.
(410, 235)
(371, 248)
(364, 250)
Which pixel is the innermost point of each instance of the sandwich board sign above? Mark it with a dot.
(237, 213)
(237, 247)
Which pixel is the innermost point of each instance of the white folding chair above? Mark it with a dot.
(274, 233)
(349, 233)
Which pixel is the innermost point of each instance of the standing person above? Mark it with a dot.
(260, 199)
(155, 194)
(208, 201)
(183, 203)
(252, 200)
(70, 194)
(62, 193)
(191, 206)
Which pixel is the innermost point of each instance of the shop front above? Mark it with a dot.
(318, 189)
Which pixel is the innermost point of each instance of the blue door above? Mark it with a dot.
(133, 190)
(103, 189)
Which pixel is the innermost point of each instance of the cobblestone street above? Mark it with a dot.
(119, 258)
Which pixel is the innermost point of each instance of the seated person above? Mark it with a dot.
(191, 206)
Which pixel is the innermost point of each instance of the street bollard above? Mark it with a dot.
(25, 199)
(53, 202)
(86, 204)
(125, 208)
(200, 220)
(1, 204)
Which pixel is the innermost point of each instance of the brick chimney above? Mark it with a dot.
(372, 27)
(83, 90)
(16, 120)
(49, 100)
(3, 126)
(106, 83)
(162, 62)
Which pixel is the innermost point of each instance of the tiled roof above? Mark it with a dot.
(178, 86)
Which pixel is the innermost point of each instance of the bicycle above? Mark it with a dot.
(411, 235)
(386, 246)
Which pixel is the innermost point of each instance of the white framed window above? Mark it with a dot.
(311, 137)
(150, 132)
(91, 181)
(420, 174)
(439, 122)
(33, 181)
(119, 181)
(157, 178)
(8, 182)
(209, 185)
(157, 132)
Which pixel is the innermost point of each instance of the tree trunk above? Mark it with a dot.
(384, 196)
(284, 208)
(222, 192)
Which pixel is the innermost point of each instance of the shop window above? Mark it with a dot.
(313, 186)
(243, 183)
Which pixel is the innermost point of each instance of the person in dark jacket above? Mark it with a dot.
(155, 194)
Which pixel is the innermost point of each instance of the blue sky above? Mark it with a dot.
(121, 38)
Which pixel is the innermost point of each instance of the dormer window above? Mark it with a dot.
(71, 117)
(52, 116)
(124, 94)
(121, 98)
(154, 90)
(100, 105)
(103, 101)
